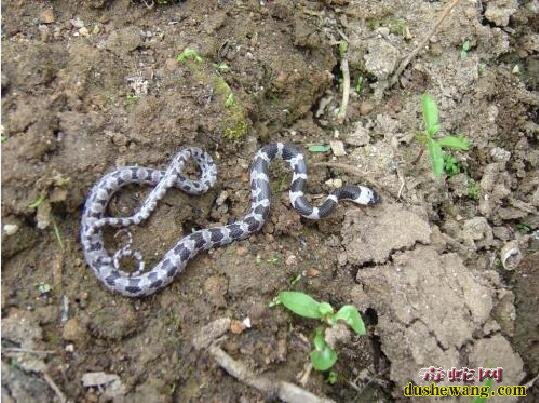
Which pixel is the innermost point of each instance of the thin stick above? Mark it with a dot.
(286, 391)
(345, 89)
(24, 350)
(422, 44)
(52, 384)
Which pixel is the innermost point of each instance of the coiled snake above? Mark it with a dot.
(141, 283)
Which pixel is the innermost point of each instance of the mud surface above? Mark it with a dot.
(443, 270)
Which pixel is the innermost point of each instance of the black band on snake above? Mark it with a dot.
(142, 283)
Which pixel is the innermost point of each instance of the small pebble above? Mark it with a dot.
(223, 196)
(337, 147)
(47, 16)
(242, 251)
(10, 229)
(74, 331)
(84, 32)
(118, 139)
(237, 327)
(76, 23)
(291, 260)
(171, 64)
(365, 108)
(312, 273)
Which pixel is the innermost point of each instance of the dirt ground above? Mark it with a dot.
(445, 270)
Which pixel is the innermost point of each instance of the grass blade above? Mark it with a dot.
(430, 114)
(436, 157)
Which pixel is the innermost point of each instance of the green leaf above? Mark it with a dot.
(319, 341)
(37, 202)
(343, 48)
(332, 377)
(324, 359)
(230, 101)
(359, 85)
(454, 142)
(430, 114)
(451, 165)
(351, 316)
(189, 54)
(436, 157)
(319, 148)
(302, 304)
(325, 309)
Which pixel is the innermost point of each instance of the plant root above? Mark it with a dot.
(286, 391)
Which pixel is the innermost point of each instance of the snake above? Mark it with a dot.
(141, 282)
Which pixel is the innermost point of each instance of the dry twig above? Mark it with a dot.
(423, 42)
(286, 391)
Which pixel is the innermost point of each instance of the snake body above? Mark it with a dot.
(142, 283)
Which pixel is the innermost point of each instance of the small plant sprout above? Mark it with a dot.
(230, 101)
(189, 54)
(473, 190)
(359, 85)
(465, 48)
(343, 48)
(44, 288)
(221, 67)
(131, 99)
(323, 357)
(440, 159)
(36, 203)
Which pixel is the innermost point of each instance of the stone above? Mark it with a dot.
(74, 331)
(498, 349)
(432, 302)
(359, 137)
(381, 59)
(47, 16)
(500, 11)
(10, 229)
(374, 237)
(337, 147)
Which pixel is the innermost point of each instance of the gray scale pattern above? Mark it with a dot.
(142, 283)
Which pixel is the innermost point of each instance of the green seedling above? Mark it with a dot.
(57, 235)
(230, 101)
(319, 148)
(440, 159)
(323, 357)
(523, 228)
(343, 48)
(189, 54)
(473, 190)
(36, 203)
(296, 279)
(130, 99)
(332, 377)
(221, 67)
(465, 48)
(451, 165)
(359, 85)
(44, 288)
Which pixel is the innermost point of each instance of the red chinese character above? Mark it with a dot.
(483, 373)
(468, 374)
(432, 374)
(454, 375)
(497, 374)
